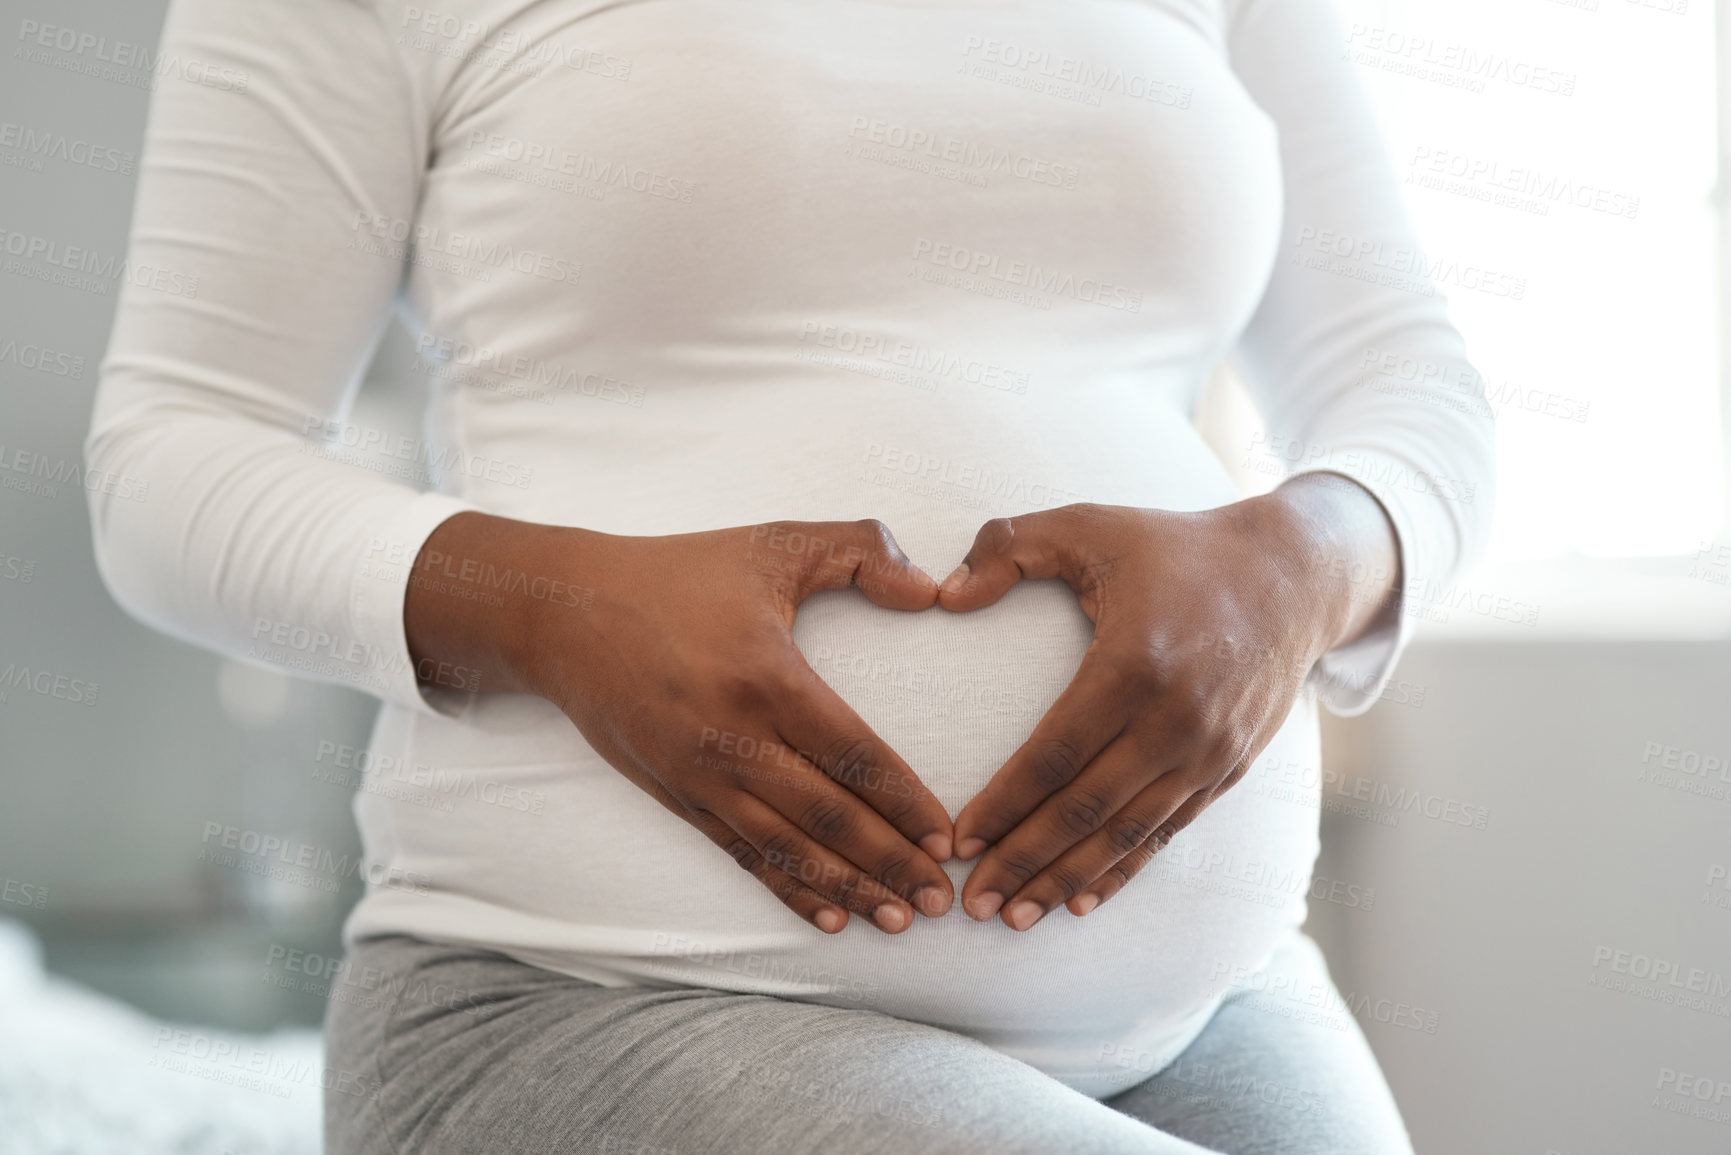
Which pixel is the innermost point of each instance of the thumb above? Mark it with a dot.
(1046, 544)
(858, 553)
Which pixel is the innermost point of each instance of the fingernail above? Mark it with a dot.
(890, 917)
(1023, 915)
(957, 579)
(923, 577)
(831, 920)
(970, 848)
(985, 906)
(1086, 903)
(932, 901)
(937, 846)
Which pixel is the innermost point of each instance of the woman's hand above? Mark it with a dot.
(1205, 626)
(675, 659)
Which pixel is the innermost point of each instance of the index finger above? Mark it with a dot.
(1092, 711)
(829, 734)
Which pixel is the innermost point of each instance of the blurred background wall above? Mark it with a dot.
(1524, 887)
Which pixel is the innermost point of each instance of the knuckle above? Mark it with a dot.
(1127, 832)
(1057, 761)
(745, 690)
(1020, 865)
(994, 536)
(781, 850)
(1082, 811)
(829, 820)
(1196, 697)
(1161, 838)
(897, 806)
(875, 531)
(744, 854)
(849, 760)
(894, 870)
(1145, 675)
(1152, 746)
(1067, 881)
(843, 888)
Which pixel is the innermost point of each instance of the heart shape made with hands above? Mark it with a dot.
(1121, 699)
(957, 694)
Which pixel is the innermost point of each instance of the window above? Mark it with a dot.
(1571, 145)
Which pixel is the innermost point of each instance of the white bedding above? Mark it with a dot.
(83, 1074)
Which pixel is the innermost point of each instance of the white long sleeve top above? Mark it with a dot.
(682, 265)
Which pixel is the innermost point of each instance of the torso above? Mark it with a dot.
(838, 259)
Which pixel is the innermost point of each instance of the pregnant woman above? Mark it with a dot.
(809, 397)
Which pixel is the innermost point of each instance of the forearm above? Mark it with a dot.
(476, 593)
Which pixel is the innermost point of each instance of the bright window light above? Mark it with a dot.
(1571, 144)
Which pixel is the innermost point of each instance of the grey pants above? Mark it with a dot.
(438, 1049)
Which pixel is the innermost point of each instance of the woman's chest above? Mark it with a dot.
(1091, 168)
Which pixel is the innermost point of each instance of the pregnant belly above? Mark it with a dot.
(956, 695)
(597, 880)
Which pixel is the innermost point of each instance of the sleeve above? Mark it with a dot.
(257, 285)
(1350, 356)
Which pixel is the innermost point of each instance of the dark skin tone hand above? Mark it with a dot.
(1205, 626)
(674, 658)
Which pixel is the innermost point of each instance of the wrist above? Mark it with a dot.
(1337, 543)
(480, 596)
